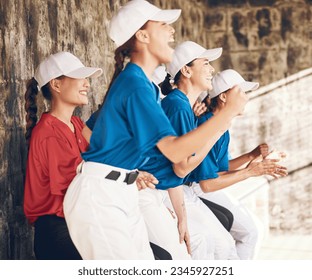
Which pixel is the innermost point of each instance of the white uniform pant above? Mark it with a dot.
(209, 239)
(103, 216)
(161, 226)
(246, 228)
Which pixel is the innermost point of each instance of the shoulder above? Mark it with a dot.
(205, 117)
(44, 127)
(77, 122)
(174, 103)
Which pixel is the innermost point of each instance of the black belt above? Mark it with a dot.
(189, 184)
(130, 177)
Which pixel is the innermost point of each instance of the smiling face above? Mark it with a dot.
(160, 35)
(73, 91)
(201, 74)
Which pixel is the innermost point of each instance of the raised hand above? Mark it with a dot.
(199, 108)
(262, 149)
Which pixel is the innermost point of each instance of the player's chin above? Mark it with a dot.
(209, 87)
(83, 101)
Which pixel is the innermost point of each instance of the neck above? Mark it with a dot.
(62, 112)
(190, 91)
(216, 111)
(146, 61)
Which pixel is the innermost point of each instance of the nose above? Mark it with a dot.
(86, 83)
(171, 29)
(212, 69)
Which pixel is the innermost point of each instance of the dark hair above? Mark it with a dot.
(211, 103)
(167, 85)
(31, 104)
(121, 53)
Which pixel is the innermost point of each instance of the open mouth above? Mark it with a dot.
(83, 92)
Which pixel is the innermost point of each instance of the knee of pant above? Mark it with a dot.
(203, 240)
(202, 246)
(252, 235)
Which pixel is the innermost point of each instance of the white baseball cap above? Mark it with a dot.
(159, 74)
(63, 63)
(133, 15)
(187, 52)
(227, 79)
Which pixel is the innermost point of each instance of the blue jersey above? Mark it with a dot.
(130, 123)
(217, 159)
(178, 109)
(91, 121)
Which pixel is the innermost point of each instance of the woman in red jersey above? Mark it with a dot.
(55, 144)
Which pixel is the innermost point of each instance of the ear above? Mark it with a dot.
(186, 71)
(55, 85)
(142, 36)
(222, 97)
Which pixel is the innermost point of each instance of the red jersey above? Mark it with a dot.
(53, 157)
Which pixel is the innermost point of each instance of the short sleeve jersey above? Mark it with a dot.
(54, 154)
(91, 121)
(178, 110)
(130, 123)
(217, 159)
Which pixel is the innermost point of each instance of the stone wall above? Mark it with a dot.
(264, 43)
(31, 30)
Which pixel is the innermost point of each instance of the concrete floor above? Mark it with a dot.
(286, 247)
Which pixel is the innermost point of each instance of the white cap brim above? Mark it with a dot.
(212, 54)
(159, 75)
(248, 86)
(168, 16)
(84, 72)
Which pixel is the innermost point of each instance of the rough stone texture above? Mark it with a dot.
(31, 30)
(264, 40)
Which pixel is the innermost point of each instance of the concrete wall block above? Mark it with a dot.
(220, 3)
(293, 212)
(215, 20)
(283, 120)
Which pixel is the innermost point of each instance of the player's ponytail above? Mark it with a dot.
(211, 103)
(31, 105)
(121, 53)
(169, 84)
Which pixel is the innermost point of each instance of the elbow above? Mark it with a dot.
(204, 185)
(180, 172)
(176, 158)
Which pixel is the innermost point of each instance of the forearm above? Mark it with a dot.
(177, 149)
(224, 180)
(86, 133)
(240, 161)
(177, 199)
(183, 168)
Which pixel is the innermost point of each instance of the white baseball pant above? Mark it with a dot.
(103, 216)
(201, 221)
(245, 229)
(161, 226)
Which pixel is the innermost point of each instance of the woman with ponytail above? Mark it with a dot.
(101, 205)
(55, 144)
(190, 73)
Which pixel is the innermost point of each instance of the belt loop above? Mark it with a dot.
(131, 177)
